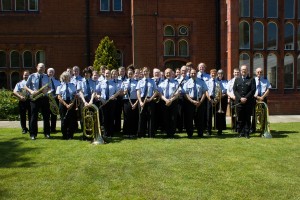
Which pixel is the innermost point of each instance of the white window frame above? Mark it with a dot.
(2, 6)
(36, 5)
(16, 6)
(165, 47)
(165, 30)
(23, 59)
(114, 6)
(10, 59)
(102, 10)
(187, 48)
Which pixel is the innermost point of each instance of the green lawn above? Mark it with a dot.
(210, 168)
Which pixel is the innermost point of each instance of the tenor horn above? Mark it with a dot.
(53, 105)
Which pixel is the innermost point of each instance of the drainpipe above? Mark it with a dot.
(87, 33)
(218, 35)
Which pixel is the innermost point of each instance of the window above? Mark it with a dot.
(288, 36)
(272, 70)
(14, 79)
(258, 61)
(6, 5)
(244, 8)
(14, 59)
(169, 48)
(33, 5)
(104, 5)
(183, 31)
(272, 36)
(289, 7)
(119, 58)
(2, 59)
(298, 72)
(3, 82)
(20, 5)
(27, 59)
(258, 35)
(298, 9)
(169, 31)
(244, 35)
(288, 71)
(258, 8)
(244, 59)
(272, 8)
(117, 5)
(40, 57)
(183, 48)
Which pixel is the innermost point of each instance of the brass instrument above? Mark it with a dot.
(24, 93)
(111, 98)
(91, 124)
(53, 105)
(218, 96)
(262, 119)
(39, 93)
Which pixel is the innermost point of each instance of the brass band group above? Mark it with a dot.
(187, 99)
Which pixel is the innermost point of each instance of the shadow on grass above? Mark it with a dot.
(281, 134)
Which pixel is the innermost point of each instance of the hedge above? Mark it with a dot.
(8, 105)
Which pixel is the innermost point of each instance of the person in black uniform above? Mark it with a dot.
(244, 90)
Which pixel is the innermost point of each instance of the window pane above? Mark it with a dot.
(298, 37)
(2, 59)
(272, 8)
(104, 5)
(33, 5)
(117, 5)
(288, 37)
(3, 82)
(289, 7)
(258, 8)
(244, 35)
(298, 9)
(6, 5)
(298, 72)
(119, 58)
(183, 31)
(272, 70)
(40, 57)
(20, 5)
(258, 36)
(244, 59)
(169, 48)
(288, 72)
(183, 48)
(272, 36)
(14, 59)
(27, 58)
(169, 31)
(14, 79)
(258, 61)
(244, 8)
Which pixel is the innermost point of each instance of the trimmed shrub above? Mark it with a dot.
(8, 105)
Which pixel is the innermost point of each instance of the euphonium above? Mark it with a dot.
(91, 124)
(219, 90)
(39, 93)
(262, 119)
(53, 105)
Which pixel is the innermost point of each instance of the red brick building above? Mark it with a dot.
(157, 33)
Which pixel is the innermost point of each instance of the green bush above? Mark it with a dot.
(8, 105)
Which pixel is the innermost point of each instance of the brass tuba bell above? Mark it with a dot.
(262, 119)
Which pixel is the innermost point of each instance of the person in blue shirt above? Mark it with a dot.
(24, 101)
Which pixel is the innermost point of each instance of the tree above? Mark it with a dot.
(106, 54)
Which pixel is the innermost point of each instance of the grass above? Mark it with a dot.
(210, 168)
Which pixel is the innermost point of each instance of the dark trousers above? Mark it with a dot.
(118, 114)
(180, 114)
(43, 105)
(53, 119)
(131, 118)
(24, 108)
(108, 117)
(68, 121)
(244, 112)
(221, 116)
(147, 120)
(170, 118)
(158, 106)
(196, 115)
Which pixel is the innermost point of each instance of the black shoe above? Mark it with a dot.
(47, 136)
(24, 131)
(208, 132)
(247, 136)
(32, 138)
(219, 132)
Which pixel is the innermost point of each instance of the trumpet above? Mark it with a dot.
(39, 93)
(53, 105)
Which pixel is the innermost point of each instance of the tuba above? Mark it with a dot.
(262, 119)
(91, 124)
(53, 105)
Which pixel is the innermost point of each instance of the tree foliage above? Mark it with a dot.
(106, 54)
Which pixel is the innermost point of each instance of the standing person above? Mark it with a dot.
(231, 97)
(39, 83)
(130, 102)
(119, 77)
(66, 93)
(262, 91)
(146, 92)
(177, 73)
(159, 105)
(244, 89)
(201, 73)
(195, 90)
(54, 84)
(212, 100)
(24, 101)
(102, 73)
(170, 91)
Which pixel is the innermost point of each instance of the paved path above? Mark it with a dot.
(273, 119)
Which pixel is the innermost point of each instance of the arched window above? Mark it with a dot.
(272, 69)
(244, 35)
(183, 31)
(14, 59)
(298, 72)
(272, 8)
(244, 59)
(183, 48)
(244, 8)
(27, 59)
(258, 8)
(119, 58)
(258, 61)
(40, 57)
(3, 82)
(14, 79)
(258, 35)
(288, 71)
(289, 9)
(169, 48)
(2, 59)
(169, 31)
(288, 36)
(272, 36)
